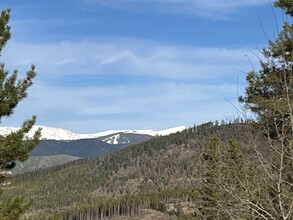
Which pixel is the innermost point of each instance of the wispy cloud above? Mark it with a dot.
(125, 57)
(191, 86)
(211, 8)
(137, 106)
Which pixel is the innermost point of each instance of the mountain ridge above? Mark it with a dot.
(51, 133)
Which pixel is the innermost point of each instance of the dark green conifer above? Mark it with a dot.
(286, 5)
(14, 146)
(211, 200)
(269, 93)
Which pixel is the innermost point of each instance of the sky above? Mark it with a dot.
(135, 64)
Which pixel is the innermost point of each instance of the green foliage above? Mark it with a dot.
(230, 182)
(210, 195)
(13, 209)
(286, 5)
(4, 28)
(14, 146)
(269, 93)
(224, 173)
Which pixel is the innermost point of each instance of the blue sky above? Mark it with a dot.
(135, 64)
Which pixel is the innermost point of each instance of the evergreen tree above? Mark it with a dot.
(14, 146)
(269, 93)
(286, 5)
(211, 199)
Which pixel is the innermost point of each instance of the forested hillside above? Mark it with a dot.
(79, 148)
(41, 162)
(148, 175)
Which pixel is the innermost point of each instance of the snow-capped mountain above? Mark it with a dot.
(111, 136)
(48, 133)
(57, 141)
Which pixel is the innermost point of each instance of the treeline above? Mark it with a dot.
(129, 205)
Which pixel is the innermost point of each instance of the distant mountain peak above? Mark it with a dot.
(50, 133)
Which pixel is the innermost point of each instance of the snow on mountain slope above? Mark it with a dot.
(160, 132)
(50, 133)
(113, 139)
(147, 132)
(47, 133)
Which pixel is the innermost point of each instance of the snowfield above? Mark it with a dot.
(50, 133)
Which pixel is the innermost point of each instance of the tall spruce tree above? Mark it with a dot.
(211, 200)
(269, 95)
(226, 179)
(14, 146)
(261, 186)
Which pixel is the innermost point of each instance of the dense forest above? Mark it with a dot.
(161, 171)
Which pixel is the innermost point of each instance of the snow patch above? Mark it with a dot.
(113, 139)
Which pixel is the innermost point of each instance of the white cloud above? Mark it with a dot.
(191, 84)
(211, 8)
(127, 57)
(137, 106)
(64, 61)
(124, 56)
